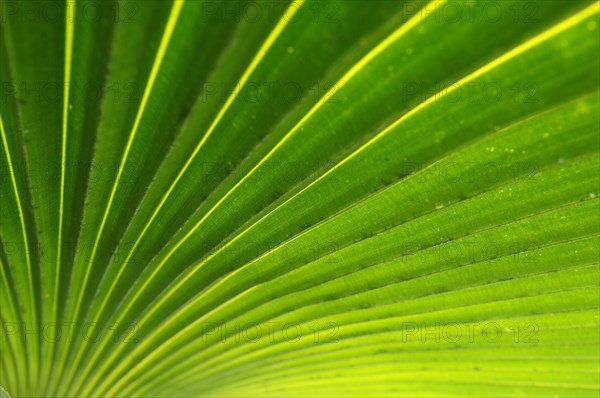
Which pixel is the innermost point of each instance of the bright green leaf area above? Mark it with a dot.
(300, 198)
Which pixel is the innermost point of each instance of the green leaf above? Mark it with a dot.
(300, 198)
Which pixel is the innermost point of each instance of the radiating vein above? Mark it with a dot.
(160, 55)
(366, 321)
(159, 58)
(551, 32)
(410, 24)
(414, 21)
(435, 98)
(231, 275)
(21, 218)
(573, 20)
(540, 38)
(68, 56)
(16, 313)
(69, 28)
(157, 351)
(32, 348)
(288, 15)
(289, 363)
